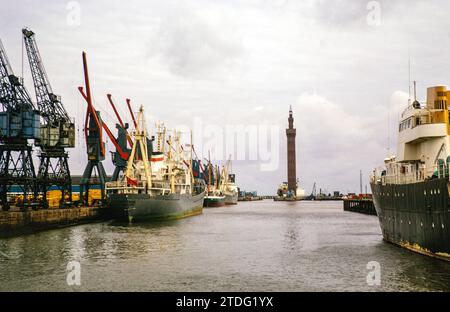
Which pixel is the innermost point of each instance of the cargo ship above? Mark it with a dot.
(159, 187)
(411, 191)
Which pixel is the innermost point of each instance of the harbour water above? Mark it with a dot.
(254, 246)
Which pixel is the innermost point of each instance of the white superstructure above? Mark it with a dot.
(423, 146)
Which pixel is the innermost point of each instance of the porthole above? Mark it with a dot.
(432, 225)
(421, 224)
(439, 191)
(442, 225)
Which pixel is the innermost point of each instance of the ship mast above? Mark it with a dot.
(209, 170)
(225, 173)
(140, 139)
(191, 166)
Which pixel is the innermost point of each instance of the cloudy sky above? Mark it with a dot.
(341, 64)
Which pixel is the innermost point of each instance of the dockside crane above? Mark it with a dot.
(121, 124)
(19, 122)
(122, 153)
(57, 130)
(120, 156)
(313, 194)
(94, 142)
(131, 113)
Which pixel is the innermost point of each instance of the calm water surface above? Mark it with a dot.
(254, 246)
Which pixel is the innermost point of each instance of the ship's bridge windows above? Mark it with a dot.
(406, 124)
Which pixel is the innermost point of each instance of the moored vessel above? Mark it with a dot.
(230, 188)
(214, 196)
(213, 201)
(161, 186)
(231, 198)
(411, 192)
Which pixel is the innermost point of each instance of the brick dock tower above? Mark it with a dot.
(291, 168)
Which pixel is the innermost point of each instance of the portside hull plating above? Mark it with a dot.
(142, 207)
(231, 199)
(415, 216)
(214, 202)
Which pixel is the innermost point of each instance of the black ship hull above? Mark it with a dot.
(143, 207)
(214, 202)
(415, 216)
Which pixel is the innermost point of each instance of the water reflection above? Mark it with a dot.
(263, 246)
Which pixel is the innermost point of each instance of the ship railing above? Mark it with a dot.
(114, 185)
(398, 177)
(437, 171)
(402, 178)
(123, 187)
(160, 191)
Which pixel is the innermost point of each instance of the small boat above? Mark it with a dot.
(231, 199)
(214, 201)
(214, 196)
(230, 189)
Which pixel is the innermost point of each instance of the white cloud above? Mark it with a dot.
(245, 62)
(193, 41)
(333, 143)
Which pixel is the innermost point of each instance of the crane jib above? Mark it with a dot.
(57, 129)
(48, 103)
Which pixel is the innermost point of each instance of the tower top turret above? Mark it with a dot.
(291, 118)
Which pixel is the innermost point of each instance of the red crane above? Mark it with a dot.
(130, 141)
(131, 112)
(122, 153)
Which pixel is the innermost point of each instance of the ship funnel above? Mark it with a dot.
(437, 97)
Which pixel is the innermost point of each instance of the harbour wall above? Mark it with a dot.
(364, 206)
(14, 223)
